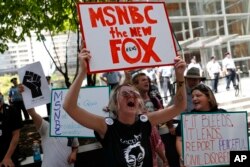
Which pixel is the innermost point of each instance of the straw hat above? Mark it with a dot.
(194, 73)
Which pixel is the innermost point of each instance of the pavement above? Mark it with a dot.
(224, 96)
(229, 101)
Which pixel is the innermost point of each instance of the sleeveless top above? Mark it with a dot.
(127, 145)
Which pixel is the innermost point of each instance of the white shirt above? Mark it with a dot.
(228, 63)
(55, 149)
(213, 67)
(196, 65)
(165, 71)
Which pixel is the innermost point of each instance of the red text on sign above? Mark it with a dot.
(112, 15)
(119, 45)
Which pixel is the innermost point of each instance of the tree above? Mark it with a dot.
(28, 16)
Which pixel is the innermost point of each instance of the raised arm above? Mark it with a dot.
(37, 119)
(81, 115)
(180, 99)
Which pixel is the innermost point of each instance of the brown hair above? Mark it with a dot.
(209, 93)
(135, 79)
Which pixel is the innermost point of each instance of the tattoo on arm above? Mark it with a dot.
(180, 83)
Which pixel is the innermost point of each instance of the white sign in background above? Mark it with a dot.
(208, 138)
(93, 99)
(37, 90)
(98, 38)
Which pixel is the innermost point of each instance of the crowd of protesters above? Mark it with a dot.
(140, 130)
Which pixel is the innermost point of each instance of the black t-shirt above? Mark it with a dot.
(10, 120)
(178, 128)
(127, 145)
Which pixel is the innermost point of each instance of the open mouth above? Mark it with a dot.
(131, 104)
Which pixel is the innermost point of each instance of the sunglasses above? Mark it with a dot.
(130, 93)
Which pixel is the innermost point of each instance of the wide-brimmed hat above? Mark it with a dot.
(194, 73)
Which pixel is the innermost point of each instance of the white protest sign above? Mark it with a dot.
(208, 138)
(37, 90)
(126, 35)
(93, 99)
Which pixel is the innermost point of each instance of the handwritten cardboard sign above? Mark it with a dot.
(208, 138)
(93, 99)
(37, 90)
(126, 35)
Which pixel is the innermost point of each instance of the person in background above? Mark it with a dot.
(195, 64)
(151, 73)
(16, 99)
(112, 79)
(56, 151)
(203, 100)
(214, 71)
(10, 126)
(229, 70)
(48, 78)
(167, 131)
(142, 82)
(125, 136)
(165, 74)
(151, 103)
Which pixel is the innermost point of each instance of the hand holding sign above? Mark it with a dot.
(33, 82)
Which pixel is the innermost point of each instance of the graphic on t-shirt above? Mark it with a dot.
(149, 106)
(33, 82)
(134, 153)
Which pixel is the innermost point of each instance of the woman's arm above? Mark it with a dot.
(180, 99)
(81, 115)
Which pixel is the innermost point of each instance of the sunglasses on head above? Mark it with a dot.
(130, 93)
(202, 87)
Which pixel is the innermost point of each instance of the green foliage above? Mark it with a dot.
(5, 84)
(20, 18)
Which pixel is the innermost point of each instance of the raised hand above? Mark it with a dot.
(84, 56)
(180, 66)
(33, 82)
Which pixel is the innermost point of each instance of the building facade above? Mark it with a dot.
(61, 48)
(203, 28)
(206, 28)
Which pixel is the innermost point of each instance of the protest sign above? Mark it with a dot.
(126, 35)
(208, 138)
(93, 99)
(37, 90)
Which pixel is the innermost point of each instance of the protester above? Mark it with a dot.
(16, 99)
(203, 100)
(214, 71)
(126, 136)
(152, 103)
(143, 84)
(167, 131)
(56, 150)
(229, 70)
(151, 73)
(112, 79)
(10, 125)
